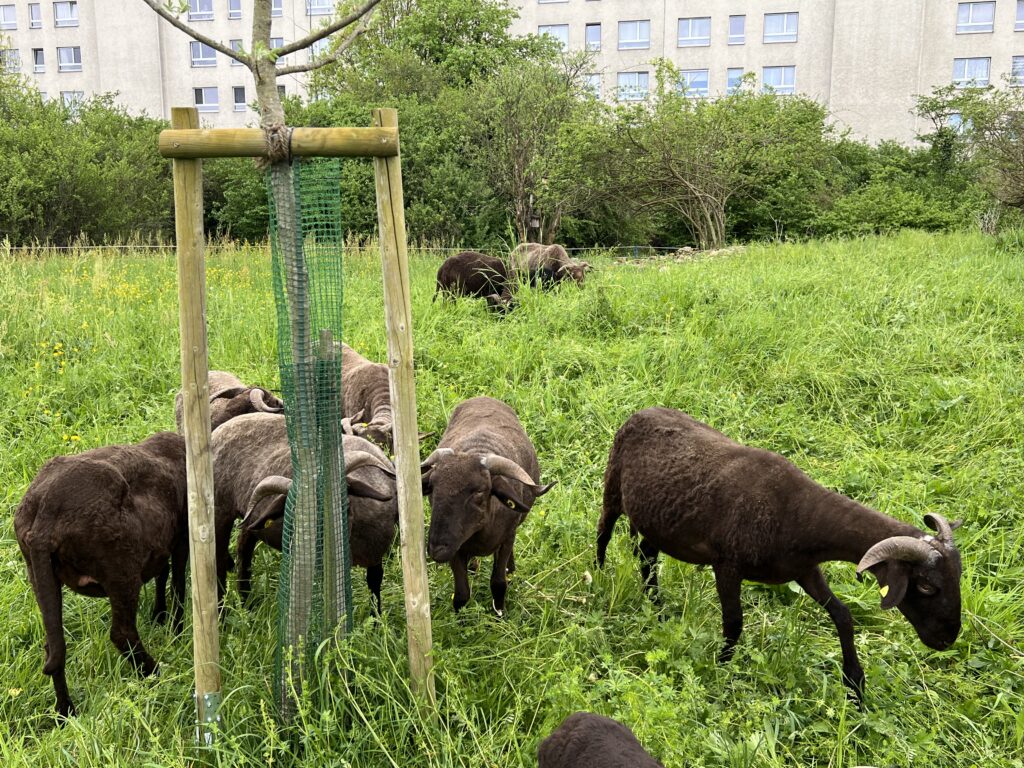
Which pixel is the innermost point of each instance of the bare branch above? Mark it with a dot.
(330, 29)
(340, 51)
(174, 21)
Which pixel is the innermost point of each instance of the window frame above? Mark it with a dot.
(741, 37)
(201, 104)
(964, 27)
(72, 20)
(642, 95)
(234, 12)
(686, 90)
(730, 87)
(35, 15)
(1017, 71)
(784, 36)
(588, 44)
(200, 14)
(236, 49)
(13, 23)
(1018, 24)
(240, 106)
(77, 97)
(637, 43)
(10, 60)
(201, 62)
(38, 61)
(594, 83)
(545, 29)
(276, 9)
(965, 81)
(325, 8)
(692, 41)
(783, 89)
(73, 66)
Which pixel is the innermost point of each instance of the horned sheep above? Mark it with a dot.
(471, 273)
(102, 523)
(229, 398)
(547, 264)
(482, 481)
(693, 493)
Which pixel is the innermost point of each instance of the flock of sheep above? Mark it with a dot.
(105, 521)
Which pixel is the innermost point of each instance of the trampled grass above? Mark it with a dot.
(889, 369)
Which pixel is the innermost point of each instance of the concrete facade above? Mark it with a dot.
(126, 49)
(865, 59)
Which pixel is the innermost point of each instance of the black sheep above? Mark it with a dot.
(585, 740)
(470, 273)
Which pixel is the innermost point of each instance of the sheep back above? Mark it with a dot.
(585, 740)
(470, 273)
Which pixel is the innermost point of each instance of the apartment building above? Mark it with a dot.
(865, 59)
(74, 49)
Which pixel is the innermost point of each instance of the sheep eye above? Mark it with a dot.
(926, 589)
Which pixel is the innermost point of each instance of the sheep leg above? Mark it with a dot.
(499, 578)
(461, 595)
(160, 600)
(246, 547)
(611, 511)
(179, 560)
(124, 604)
(814, 584)
(648, 554)
(51, 604)
(728, 582)
(511, 561)
(374, 579)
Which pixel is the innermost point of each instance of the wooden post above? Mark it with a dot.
(398, 319)
(188, 226)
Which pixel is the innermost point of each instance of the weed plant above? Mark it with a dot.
(889, 369)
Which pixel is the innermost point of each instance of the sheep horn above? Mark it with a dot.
(356, 459)
(943, 527)
(904, 548)
(431, 460)
(499, 465)
(257, 396)
(226, 394)
(274, 485)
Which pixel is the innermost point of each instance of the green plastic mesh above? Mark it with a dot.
(315, 592)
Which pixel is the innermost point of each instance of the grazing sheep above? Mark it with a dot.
(585, 740)
(103, 523)
(229, 398)
(547, 264)
(482, 481)
(367, 394)
(252, 474)
(696, 495)
(470, 273)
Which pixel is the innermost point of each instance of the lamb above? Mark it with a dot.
(696, 495)
(103, 523)
(482, 481)
(252, 474)
(470, 273)
(367, 394)
(547, 264)
(229, 397)
(585, 740)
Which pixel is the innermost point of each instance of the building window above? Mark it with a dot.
(971, 72)
(975, 17)
(634, 34)
(277, 8)
(734, 77)
(1017, 71)
(779, 80)
(593, 83)
(206, 99)
(35, 16)
(200, 10)
(319, 48)
(593, 37)
(38, 60)
(202, 54)
(72, 99)
(319, 7)
(236, 45)
(69, 59)
(239, 93)
(737, 30)
(694, 32)
(1019, 25)
(8, 20)
(633, 86)
(559, 32)
(10, 60)
(781, 27)
(693, 82)
(281, 91)
(234, 9)
(65, 14)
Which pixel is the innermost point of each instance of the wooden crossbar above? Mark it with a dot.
(306, 142)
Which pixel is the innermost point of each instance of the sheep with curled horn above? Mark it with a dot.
(691, 492)
(546, 265)
(482, 481)
(229, 398)
(103, 523)
(475, 274)
(252, 475)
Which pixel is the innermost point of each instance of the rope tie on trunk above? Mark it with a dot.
(279, 146)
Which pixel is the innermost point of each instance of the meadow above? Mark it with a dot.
(889, 369)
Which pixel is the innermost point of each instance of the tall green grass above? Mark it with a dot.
(889, 369)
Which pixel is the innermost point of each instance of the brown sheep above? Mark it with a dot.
(585, 740)
(470, 273)
(103, 523)
(547, 264)
(229, 397)
(702, 498)
(367, 396)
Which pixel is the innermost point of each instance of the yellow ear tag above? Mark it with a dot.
(883, 591)
(268, 523)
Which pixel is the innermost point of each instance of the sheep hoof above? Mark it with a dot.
(498, 611)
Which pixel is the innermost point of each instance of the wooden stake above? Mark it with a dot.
(398, 318)
(195, 386)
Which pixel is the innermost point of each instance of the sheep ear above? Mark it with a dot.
(893, 579)
(426, 483)
(502, 490)
(367, 491)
